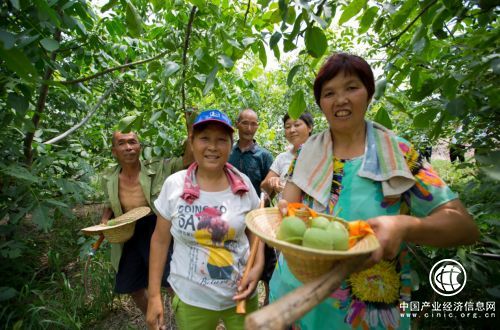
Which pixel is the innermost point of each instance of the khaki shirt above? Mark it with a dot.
(151, 177)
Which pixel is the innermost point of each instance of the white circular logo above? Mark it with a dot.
(447, 277)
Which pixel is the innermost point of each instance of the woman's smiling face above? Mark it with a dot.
(296, 131)
(211, 147)
(344, 100)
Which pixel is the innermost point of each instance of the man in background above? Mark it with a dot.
(254, 161)
(130, 184)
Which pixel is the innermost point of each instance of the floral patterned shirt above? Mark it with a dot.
(356, 303)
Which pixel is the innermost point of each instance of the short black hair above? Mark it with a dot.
(305, 116)
(349, 64)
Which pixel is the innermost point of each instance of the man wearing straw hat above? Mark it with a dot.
(130, 184)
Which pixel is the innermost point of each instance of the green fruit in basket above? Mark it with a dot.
(339, 234)
(291, 230)
(318, 239)
(319, 222)
(112, 222)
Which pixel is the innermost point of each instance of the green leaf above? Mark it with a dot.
(155, 117)
(283, 8)
(225, 61)
(15, 4)
(262, 54)
(20, 173)
(403, 13)
(288, 45)
(198, 3)
(209, 83)
(291, 15)
(276, 52)
(134, 21)
(17, 62)
(296, 27)
(349, 11)
(382, 117)
(449, 87)
(275, 38)
(423, 120)
(292, 73)
(41, 218)
(46, 11)
(154, 66)
(316, 42)
(320, 21)
(490, 164)
(367, 19)
(56, 203)
(248, 41)
(495, 66)
(125, 124)
(108, 6)
(49, 44)
(7, 293)
(170, 69)
(297, 105)
(493, 172)
(419, 34)
(396, 103)
(7, 39)
(378, 24)
(18, 103)
(380, 86)
(437, 24)
(494, 291)
(457, 107)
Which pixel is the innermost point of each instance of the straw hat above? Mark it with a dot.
(305, 263)
(123, 227)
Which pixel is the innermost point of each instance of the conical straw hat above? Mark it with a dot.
(124, 226)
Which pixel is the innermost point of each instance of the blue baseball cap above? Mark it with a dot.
(213, 115)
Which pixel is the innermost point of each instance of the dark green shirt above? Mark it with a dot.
(255, 163)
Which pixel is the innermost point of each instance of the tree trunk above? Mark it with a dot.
(43, 91)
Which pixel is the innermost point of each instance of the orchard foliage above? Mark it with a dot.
(72, 72)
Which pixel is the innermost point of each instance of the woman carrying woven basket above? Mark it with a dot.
(358, 169)
(296, 133)
(203, 208)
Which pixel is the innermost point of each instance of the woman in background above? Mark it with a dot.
(296, 133)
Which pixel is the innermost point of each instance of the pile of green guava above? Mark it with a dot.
(321, 233)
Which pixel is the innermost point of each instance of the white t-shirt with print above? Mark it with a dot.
(210, 244)
(280, 166)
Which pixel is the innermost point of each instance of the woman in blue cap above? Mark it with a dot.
(203, 208)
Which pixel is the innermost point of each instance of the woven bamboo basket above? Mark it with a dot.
(305, 263)
(124, 228)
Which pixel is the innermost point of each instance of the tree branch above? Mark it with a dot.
(120, 67)
(184, 60)
(396, 37)
(246, 13)
(62, 50)
(43, 91)
(87, 117)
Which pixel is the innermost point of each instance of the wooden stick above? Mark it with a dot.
(254, 248)
(293, 306)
